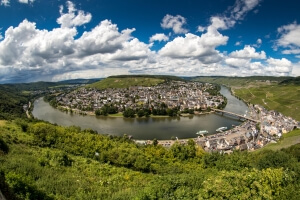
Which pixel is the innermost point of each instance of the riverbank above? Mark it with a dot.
(120, 114)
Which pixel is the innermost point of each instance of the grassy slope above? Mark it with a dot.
(283, 98)
(125, 82)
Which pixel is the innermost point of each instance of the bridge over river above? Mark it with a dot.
(234, 114)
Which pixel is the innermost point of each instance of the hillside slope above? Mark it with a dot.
(126, 81)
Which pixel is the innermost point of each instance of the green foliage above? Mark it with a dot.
(50, 158)
(3, 146)
(54, 162)
(129, 113)
(275, 159)
(23, 187)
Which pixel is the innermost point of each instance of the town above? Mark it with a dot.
(184, 97)
(267, 127)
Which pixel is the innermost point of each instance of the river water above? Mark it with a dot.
(145, 128)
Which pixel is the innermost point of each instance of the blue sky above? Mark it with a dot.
(58, 40)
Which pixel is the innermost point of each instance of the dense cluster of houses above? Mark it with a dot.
(250, 135)
(183, 95)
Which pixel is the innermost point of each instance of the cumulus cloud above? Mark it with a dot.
(73, 17)
(202, 48)
(104, 38)
(237, 62)
(279, 67)
(159, 37)
(290, 38)
(242, 58)
(248, 53)
(176, 23)
(30, 54)
(193, 46)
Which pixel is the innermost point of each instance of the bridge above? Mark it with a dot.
(234, 114)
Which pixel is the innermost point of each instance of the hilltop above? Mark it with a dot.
(125, 81)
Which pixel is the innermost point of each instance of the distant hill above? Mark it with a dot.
(294, 81)
(80, 81)
(238, 81)
(125, 81)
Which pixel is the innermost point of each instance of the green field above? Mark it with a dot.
(283, 98)
(125, 82)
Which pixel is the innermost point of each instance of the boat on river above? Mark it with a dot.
(202, 132)
(221, 129)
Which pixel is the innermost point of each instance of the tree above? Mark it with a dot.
(129, 113)
(155, 142)
(140, 113)
(3, 146)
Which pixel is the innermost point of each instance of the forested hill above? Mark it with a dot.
(294, 81)
(14, 96)
(126, 81)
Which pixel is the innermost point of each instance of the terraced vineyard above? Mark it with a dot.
(126, 82)
(283, 98)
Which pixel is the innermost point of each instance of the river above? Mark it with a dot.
(145, 128)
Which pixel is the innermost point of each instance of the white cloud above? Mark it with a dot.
(238, 43)
(242, 58)
(237, 62)
(174, 22)
(201, 29)
(241, 8)
(279, 67)
(290, 39)
(104, 38)
(159, 37)
(296, 69)
(26, 1)
(201, 47)
(290, 35)
(30, 54)
(218, 23)
(291, 51)
(5, 2)
(248, 53)
(1, 37)
(193, 46)
(236, 13)
(259, 41)
(73, 17)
